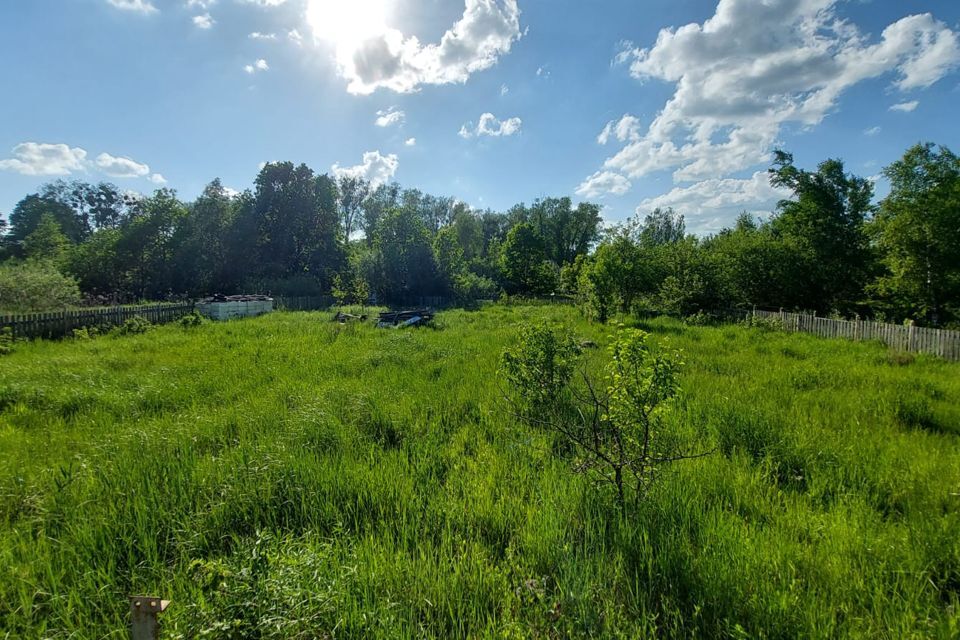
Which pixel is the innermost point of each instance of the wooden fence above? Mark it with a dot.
(57, 324)
(938, 342)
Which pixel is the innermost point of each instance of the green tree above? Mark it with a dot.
(404, 256)
(46, 242)
(522, 261)
(201, 244)
(826, 219)
(917, 231)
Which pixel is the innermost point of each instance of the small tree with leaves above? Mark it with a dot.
(617, 424)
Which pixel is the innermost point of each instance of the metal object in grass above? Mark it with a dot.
(143, 617)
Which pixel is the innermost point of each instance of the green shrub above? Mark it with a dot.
(6, 341)
(469, 287)
(133, 326)
(766, 323)
(192, 319)
(86, 333)
(29, 287)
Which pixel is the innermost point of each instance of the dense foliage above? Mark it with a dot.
(827, 248)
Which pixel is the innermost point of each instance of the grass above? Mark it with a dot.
(287, 477)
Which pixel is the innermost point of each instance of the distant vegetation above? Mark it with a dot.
(829, 248)
(290, 477)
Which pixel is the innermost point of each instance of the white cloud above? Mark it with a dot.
(259, 65)
(390, 60)
(872, 131)
(602, 183)
(256, 35)
(755, 66)
(713, 204)
(295, 37)
(905, 107)
(625, 129)
(140, 6)
(489, 125)
(121, 167)
(157, 179)
(504, 90)
(231, 193)
(390, 117)
(265, 3)
(203, 22)
(41, 159)
(376, 168)
(200, 4)
(411, 142)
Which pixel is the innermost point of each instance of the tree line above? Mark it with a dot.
(827, 248)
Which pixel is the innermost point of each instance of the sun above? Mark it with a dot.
(347, 22)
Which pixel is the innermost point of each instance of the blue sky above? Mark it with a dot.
(689, 97)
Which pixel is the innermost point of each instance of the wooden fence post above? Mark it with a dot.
(143, 617)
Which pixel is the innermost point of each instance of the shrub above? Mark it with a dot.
(762, 322)
(192, 319)
(133, 326)
(29, 287)
(469, 287)
(86, 333)
(615, 424)
(699, 319)
(6, 341)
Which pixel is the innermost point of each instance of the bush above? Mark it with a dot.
(29, 287)
(192, 319)
(699, 319)
(86, 333)
(6, 341)
(762, 322)
(133, 326)
(469, 287)
(614, 424)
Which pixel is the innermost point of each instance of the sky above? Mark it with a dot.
(631, 104)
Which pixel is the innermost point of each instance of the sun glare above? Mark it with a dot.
(347, 22)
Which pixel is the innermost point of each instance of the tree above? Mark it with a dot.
(522, 261)
(662, 226)
(352, 193)
(917, 231)
(28, 213)
(565, 232)
(145, 246)
(405, 256)
(201, 244)
(384, 199)
(46, 242)
(826, 220)
(297, 223)
(617, 425)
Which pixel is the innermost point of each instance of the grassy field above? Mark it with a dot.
(286, 477)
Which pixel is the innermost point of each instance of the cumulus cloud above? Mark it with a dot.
(390, 117)
(200, 4)
(625, 129)
(376, 168)
(713, 204)
(489, 125)
(295, 37)
(204, 21)
(121, 167)
(602, 183)
(872, 131)
(265, 3)
(411, 142)
(905, 107)
(157, 179)
(391, 60)
(140, 6)
(41, 159)
(256, 35)
(752, 68)
(259, 65)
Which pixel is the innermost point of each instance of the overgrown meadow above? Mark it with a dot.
(288, 477)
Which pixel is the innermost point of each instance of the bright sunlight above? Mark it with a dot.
(347, 22)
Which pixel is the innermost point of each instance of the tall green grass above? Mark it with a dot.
(287, 477)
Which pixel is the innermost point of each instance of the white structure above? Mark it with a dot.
(231, 307)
